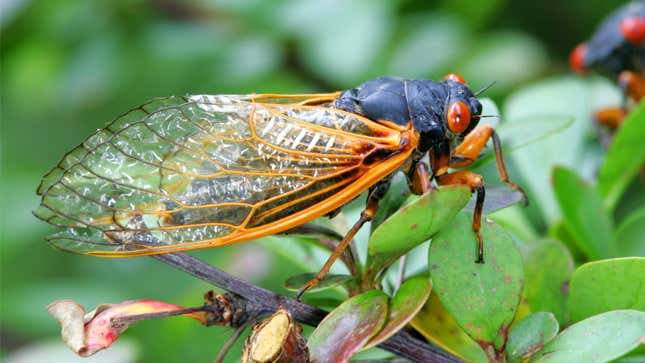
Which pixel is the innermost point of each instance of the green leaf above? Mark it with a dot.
(439, 327)
(606, 285)
(560, 232)
(624, 159)
(482, 298)
(515, 221)
(409, 299)
(584, 216)
(294, 283)
(396, 195)
(600, 338)
(529, 335)
(630, 235)
(348, 327)
(547, 288)
(564, 96)
(413, 224)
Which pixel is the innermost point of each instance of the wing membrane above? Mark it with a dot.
(191, 172)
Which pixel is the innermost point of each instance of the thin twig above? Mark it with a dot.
(402, 343)
(229, 343)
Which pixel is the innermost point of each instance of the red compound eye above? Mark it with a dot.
(576, 59)
(633, 28)
(455, 77)
(458, 117)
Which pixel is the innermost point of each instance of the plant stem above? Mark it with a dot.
(268, 302)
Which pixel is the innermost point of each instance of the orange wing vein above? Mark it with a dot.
(183, 173)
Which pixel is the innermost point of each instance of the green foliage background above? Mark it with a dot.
(67, 67)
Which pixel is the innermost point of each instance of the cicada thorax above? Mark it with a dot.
(442, 113)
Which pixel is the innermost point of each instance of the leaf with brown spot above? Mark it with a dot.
(436, 325)
(348, 328)
(529, 335)
(482, 298)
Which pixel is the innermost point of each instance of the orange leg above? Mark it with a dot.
(610, 117)
(476, 184)
(469, 149)
(366, 216)
(472, 146)
(633, 86)
(419, 181)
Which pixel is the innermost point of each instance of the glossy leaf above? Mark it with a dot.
(606, 285)
(413, 224)
(439, 327)
(630, 235)
(547, 289)
(584, 215)
(482, 298)
(294, 283)
(529, 335)
(409, 299)
(348, 327)
(600, 338)
(624, 159)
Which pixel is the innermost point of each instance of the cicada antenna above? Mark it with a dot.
(485, 88)
(486, 116)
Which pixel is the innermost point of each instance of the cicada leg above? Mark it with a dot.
(419, 178)
(472, 146)
(375, 194)
(464, 155)
(633, 87)
(476, 184)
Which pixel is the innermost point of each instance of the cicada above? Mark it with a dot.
(617, 49)
(184, 173)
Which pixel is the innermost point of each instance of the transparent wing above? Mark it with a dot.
(191, 172)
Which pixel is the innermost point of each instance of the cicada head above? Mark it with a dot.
(462, 109)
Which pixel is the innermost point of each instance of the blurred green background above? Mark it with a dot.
(68, 67)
